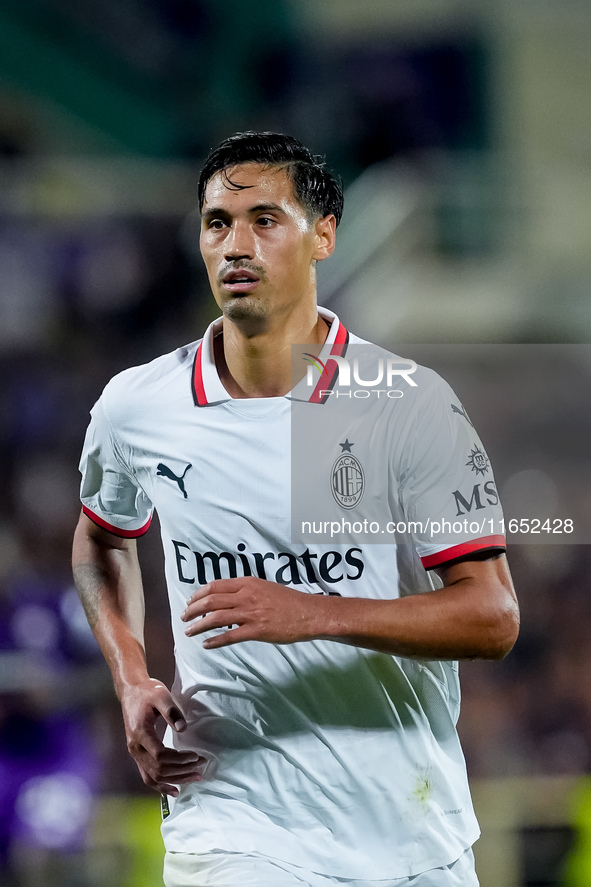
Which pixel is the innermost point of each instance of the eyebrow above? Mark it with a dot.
(215, 212)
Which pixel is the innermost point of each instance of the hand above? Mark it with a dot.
(261, 610)
(160, 767)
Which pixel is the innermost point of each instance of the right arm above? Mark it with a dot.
(107, 575)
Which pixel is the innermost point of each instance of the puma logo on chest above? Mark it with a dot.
(163, 470)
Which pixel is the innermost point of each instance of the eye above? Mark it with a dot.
(216, 224)
(265, 221)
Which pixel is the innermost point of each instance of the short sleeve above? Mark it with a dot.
(447, 488)
(110, 494)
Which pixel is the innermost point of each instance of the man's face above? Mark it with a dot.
(258, 244)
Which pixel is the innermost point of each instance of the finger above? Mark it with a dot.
(216, 619)
(170, 711)
(170, 757)
(172, 772)
(217, 586)
(175, 776)
(229, 637)
(208, 604)
(174, 718)
(168, 788)
(164, 788)
(147, 740)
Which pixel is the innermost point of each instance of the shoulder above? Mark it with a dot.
(400, 368)
(137, 388)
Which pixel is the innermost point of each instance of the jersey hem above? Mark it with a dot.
(117, 531)
(392, 869)
(486, 543)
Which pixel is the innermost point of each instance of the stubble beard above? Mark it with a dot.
(250, 314)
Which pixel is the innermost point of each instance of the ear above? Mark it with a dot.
(325, 232)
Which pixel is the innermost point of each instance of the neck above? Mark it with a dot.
(260, 365)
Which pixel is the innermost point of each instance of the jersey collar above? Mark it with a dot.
(207, 387)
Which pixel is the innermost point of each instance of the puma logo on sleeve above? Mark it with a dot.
(163, 470)
(461, 412)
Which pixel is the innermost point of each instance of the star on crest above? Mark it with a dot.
(346, 446)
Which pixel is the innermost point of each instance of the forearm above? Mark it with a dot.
(474, 615)
(459, 621)
(110, 588)
(107, 574)
(426, 626)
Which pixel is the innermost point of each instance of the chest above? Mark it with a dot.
(211, 463)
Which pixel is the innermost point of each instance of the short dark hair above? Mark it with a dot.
(318, 190)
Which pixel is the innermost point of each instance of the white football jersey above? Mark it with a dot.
(332, 757)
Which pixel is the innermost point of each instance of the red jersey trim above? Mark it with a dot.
(329, 374)
(325, 383)
(117, 531)
(197, 386)
(451, 554)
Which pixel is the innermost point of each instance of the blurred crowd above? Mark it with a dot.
(79, 301)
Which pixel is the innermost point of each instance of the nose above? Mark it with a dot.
(240, 242)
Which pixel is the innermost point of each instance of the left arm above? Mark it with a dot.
(475, 615)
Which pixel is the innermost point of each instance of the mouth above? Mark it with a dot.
(240, 281)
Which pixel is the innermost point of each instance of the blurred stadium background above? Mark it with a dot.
(463, 134)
